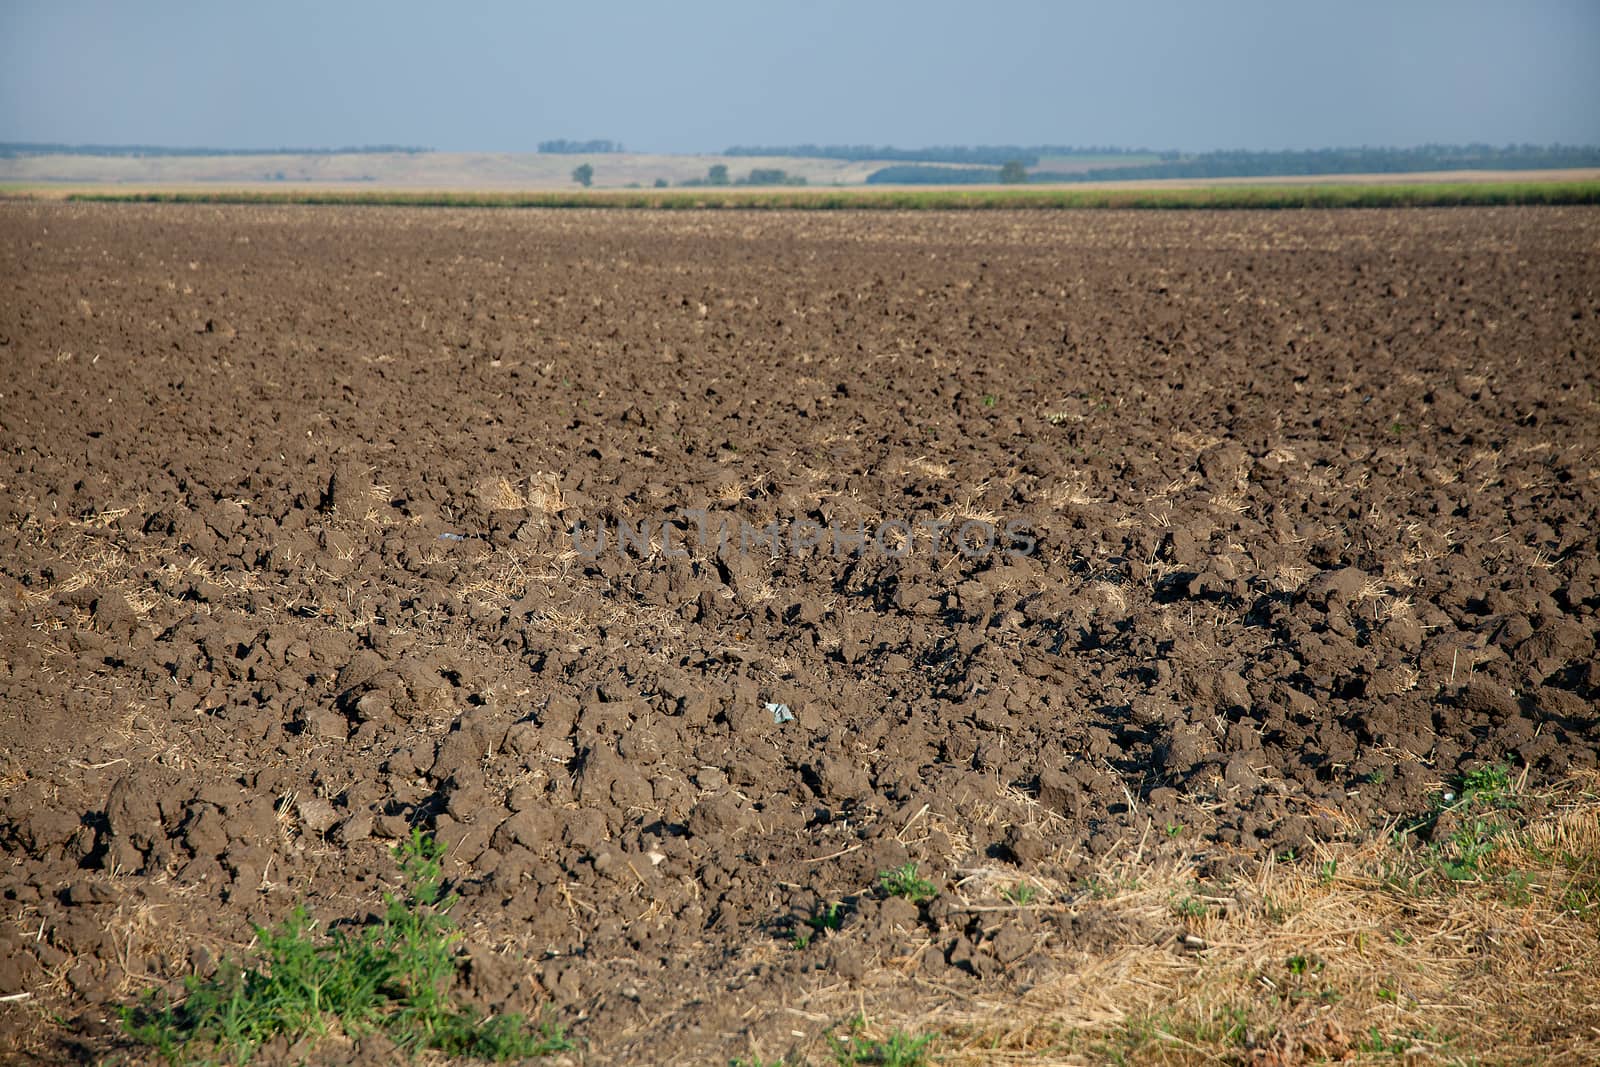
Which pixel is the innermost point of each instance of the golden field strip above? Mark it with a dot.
(1338, 194)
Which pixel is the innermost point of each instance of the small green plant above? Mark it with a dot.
(828, 918)
(1174, 829)
(1224, 1025)
(899, 1049)
(903, 881)
(990, 400)
(1491, 786)
(1189, 908)
(1275, 910)
(1464, 829)
(1582, 893)
(1467, 851)
(392, 976)
(1022, 894)
(1098, 888)
(1377, 1044)
(1302, 965)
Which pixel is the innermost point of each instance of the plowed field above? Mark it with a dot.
(1002, 545)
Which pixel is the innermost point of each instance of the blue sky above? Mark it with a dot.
(700, 76)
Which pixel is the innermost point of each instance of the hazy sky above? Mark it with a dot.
(700, 76)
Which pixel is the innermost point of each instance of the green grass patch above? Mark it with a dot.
(1463, 831)
(1581, 895)
(391, 977)
(1140, 1036)
(1262, 196)
(899, 1049)
(1476, 835)
(904, 881)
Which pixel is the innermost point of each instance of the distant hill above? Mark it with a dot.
(16, 149)
(1345, 161)
(415, 169)
(977, 155)
(403, 167)
(1059, 166)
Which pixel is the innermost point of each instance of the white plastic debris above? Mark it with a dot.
(780, 713)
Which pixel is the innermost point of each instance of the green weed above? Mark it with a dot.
(1489, 786)
(1303, 965)
(393, 977)
(899, 1049)
(1464, 830)
(828, 918)
(1226, 1026)
(903, 881)
(1581, 895)
(1376, 1043)
(1022, 894)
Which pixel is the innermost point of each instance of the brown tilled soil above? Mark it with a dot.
(1313, 502)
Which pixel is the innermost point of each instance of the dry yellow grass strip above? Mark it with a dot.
(1482, 946)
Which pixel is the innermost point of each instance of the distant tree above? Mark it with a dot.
(718, 174)
(580, 148)
(1013, 172)
(583, 174)
(661, 183)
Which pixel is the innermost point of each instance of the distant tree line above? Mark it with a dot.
(1013, 172)
(581, 148)
(771, 176)
(989, 155)
(718, 175)
(15, 149)
(921, 174)
(1237, 164)
(1240, 164)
